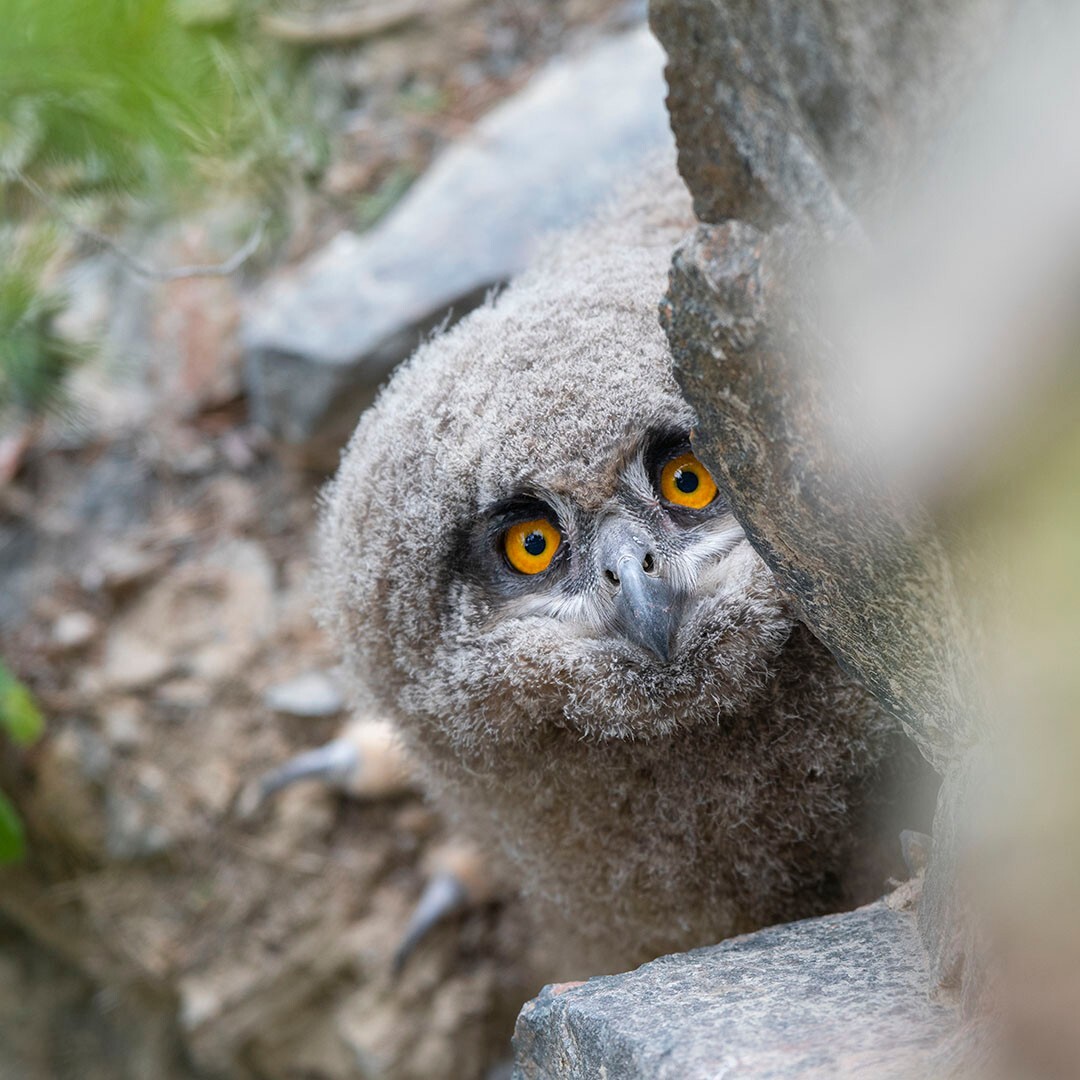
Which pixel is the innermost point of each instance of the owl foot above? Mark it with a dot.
(366, 761)
(458, 880)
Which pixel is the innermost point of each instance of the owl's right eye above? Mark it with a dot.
(530, 546)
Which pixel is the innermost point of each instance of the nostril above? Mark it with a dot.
(648, 564)
(612, 576)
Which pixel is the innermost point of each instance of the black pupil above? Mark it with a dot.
(535, 543)
(686, 481)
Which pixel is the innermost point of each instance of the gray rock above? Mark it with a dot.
(796, 110)
(321, 337)
(840, 996)
(131, 663)
(123, 725)
(131, 832)
(803, 119)
(121, 567)
(88, 286)
(312, 694)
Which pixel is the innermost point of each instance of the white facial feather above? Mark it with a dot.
(694, 566)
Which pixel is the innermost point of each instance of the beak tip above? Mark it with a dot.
(653, 628)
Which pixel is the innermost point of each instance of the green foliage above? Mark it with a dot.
(33, 359)
(20, 718)
(110, 96)
(12, 834)
(116, 92)
(22, 722)
(144, 96)
(173, 102)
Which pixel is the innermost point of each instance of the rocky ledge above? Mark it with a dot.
(839, 996)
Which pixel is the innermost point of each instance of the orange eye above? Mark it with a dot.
(684, 481)
(531, 545)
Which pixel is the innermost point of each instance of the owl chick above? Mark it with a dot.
(529, 570)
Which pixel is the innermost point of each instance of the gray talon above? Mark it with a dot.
(458, 880)
(445, 895)
(366, 761)
(334, 764)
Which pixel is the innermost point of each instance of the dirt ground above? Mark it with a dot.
(155, 586)
(256, 946)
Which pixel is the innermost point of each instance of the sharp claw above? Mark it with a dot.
(444, 895)
(459, 880)
(366, 761)
(334, 764)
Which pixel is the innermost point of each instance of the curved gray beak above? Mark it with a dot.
(647, 607)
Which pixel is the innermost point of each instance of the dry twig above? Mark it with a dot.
(198, 270)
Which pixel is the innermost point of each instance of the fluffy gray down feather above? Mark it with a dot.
(641, 807)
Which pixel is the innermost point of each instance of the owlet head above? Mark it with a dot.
(520, 534)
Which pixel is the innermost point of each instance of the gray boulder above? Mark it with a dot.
(791, 111)
(320, 338)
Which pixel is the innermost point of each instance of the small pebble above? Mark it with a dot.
(314, 694)
(122, 725)
(74, 630)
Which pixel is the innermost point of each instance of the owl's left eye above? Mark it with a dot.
(531, 545)
(684, 481)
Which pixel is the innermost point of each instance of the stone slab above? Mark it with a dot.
(839, 996)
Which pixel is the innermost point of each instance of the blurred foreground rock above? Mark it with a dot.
(841, 996)
(800, 125)
(321, 337)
